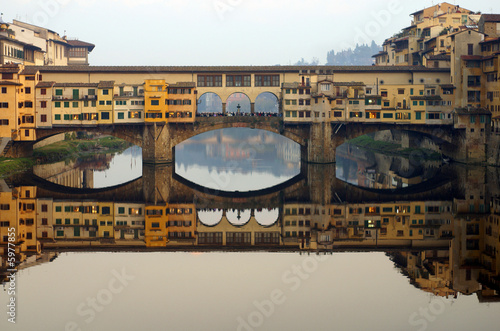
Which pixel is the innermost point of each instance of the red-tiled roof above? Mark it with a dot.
(225, 69)
(471, 57)
(45, 84)
(79, 43)
(490, 17)
(8, 82)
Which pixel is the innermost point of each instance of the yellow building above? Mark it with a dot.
(129, 103)
(74, 104)
(182, 102)
(181, 224)
(156, 229)
(105, 102)
(43, 105)
(155, 100)
(9, 91)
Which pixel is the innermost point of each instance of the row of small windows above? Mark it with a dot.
(238, 80)
(156, 225)
(13, 52)
(169, 211)
(176, 102)
(84, 209)
(178, 114)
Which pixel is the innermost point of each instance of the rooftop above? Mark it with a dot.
(211, 69)
(490, 17)
(8, 82)
(45, 84)
(183, 84)
(470, 110)
(75, 85)
(79, 43)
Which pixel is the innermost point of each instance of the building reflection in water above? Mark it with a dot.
(444, 238)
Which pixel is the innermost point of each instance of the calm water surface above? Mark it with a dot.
(363, 245)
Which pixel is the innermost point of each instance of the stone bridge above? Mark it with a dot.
(317, 184)
(318, 141)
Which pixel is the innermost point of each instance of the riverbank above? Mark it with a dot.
(9, 167)
(389, 148)
(68, 149)
(62, 150)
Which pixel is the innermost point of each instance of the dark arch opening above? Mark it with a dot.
(267, 103)
(209, 103)
(238, 103)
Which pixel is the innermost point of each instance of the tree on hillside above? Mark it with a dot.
(361, 55)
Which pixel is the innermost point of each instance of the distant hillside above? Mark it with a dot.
(361, 55)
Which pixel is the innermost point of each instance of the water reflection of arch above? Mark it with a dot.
(238, 217)
(267, 217)
(210, 217)
(269, 197)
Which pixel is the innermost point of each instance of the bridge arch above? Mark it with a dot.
(240, 99)
(267, 102)
(209, 102)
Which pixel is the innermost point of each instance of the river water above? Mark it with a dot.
(239, 235)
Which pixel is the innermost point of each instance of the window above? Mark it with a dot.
(210, 80)
(66, 104)
(75, 104)
(470, 49)
(57, 117)
(474, 81)
(43, 118)
(474, 96)
(105, 115)
(121, 116)
(105, 92)
(155, 102)
(238, 80)
(4, 90)
(267, 80)
(27, 90)
(59, 92)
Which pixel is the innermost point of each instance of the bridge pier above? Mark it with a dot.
(320, 145)
(20, 149)
(157, 144)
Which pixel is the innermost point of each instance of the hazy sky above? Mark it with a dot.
(221, 32)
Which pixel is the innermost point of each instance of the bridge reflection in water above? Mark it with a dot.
(443, 233)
